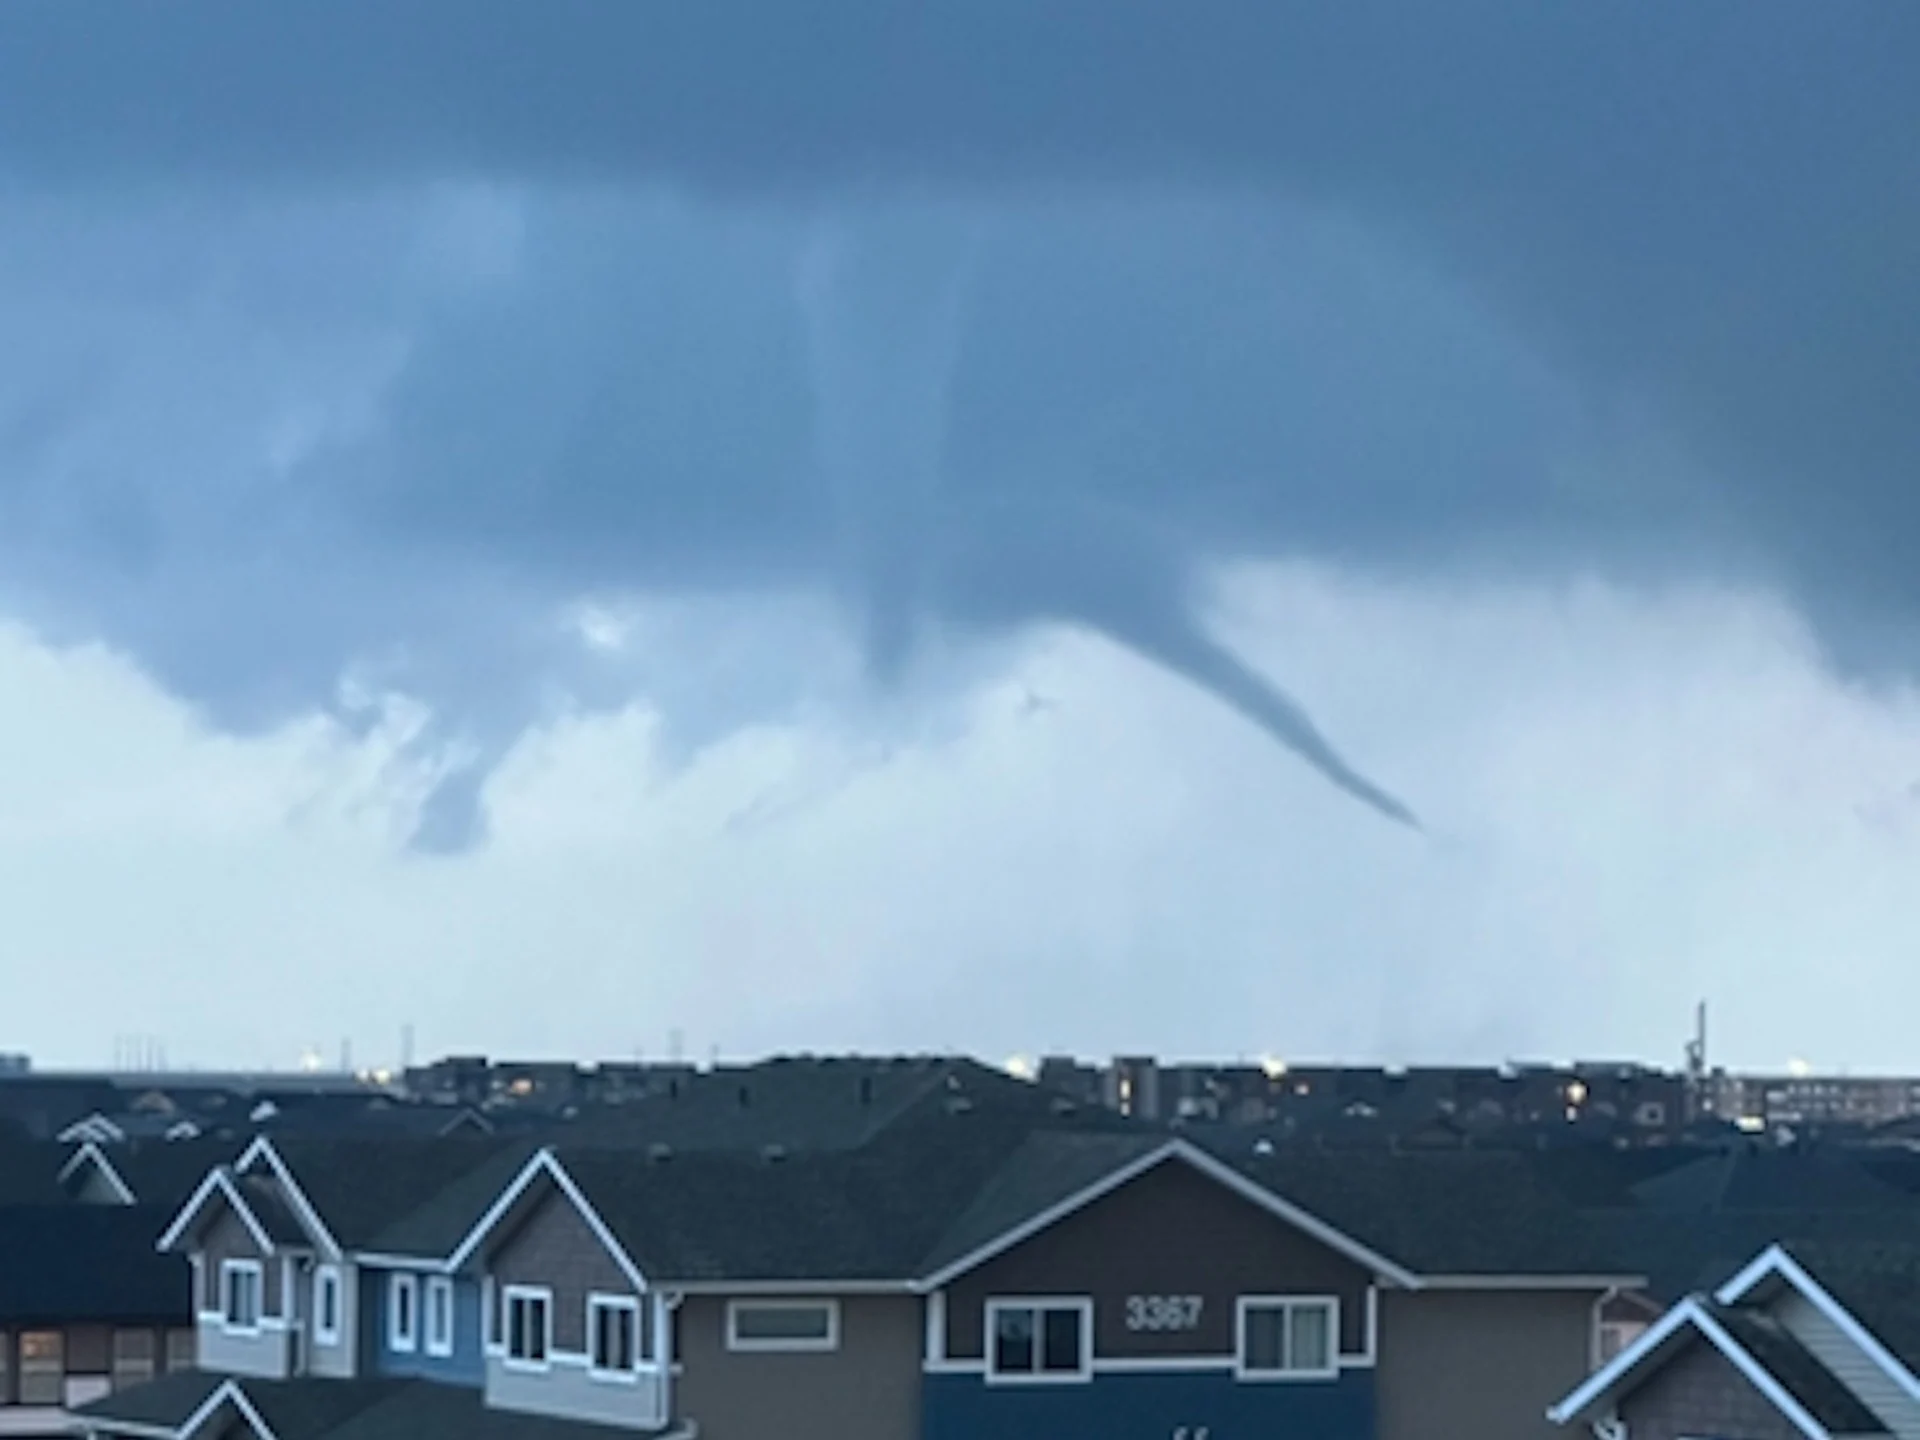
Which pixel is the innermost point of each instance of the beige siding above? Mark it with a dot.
(1897, 1410)
(1484, 1364)
(867, 1389)
(1172, 1231)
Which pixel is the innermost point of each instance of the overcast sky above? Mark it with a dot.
(1365, 531)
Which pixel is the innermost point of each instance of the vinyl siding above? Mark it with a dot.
(1480, 1363)
(866, 1389)
(1852, 1366)
(1698, 1393)
(466, 1366)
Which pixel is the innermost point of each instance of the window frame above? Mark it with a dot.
(807, 1345)
(403, 1341)
(996, 1305)
(1287, 1373)
(326, 1285)
(437, 1299)
(597, 1301)
(528, 1294)
(230, 1269)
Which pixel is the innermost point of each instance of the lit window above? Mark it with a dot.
(326, 1305)
(529, 1325)
(43, 1367)
(613, 1332)
(440, 1316)
(403, 1312)
(240, 1294)
(783, 1325)
(1039, 1339)
(1288, 1339)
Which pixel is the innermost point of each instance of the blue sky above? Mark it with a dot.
(967, 531)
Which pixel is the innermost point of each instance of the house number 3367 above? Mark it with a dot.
(1163, 1312)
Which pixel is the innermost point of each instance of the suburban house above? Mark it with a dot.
(963, 1264)
(1806, 1342)
(88, 1307)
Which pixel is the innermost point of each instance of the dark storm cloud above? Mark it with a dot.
(1349, 279)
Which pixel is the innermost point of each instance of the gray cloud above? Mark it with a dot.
(1356, 281)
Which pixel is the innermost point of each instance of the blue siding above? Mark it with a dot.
(467, 1364)
(1150, 1406)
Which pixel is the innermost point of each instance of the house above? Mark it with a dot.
(939, 1258)
(1805, 1342)
(87, 1307)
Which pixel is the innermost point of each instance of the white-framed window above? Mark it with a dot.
(439, 1308)
(617, 1343)
(529, 1323)
(1288, 1337)
(403, 1313)
(1040, 1339)
(326, 1304)
(240, 1286)
(783, 1324)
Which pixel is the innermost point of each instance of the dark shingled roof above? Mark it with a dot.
(1801, 1375)
(1877, 1280)
(1775, 1178)
(166, 1402)
(29, 1172)
(364, 1189)
(167, 1172)
(311, 1408)
(90, 1263)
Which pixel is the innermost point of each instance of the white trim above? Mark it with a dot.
(1533, 1282)
(806, 1288)
(1371, 1342)
(1039, 1304)
(1775, 1261)
(1206, 1164)
(217, 1179)
(489, 1298)
(90, 1151)
(228, 1391)
(262, 1147)
(381, 1260)
(811, 1344)
(1688, 1312)
(953, 1367)
(126, 1427)
(401, 1283)
(935, 1346)
(324, 1277)
(239, 1265)
(543, 1294)
(438, 1287)
(598, 1300)
(544, 1161)
(1161, 1364)
(1287, 1304)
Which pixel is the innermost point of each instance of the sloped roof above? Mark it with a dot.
(89, 1263)
(165, 1402)
(439, 1223)
(29, 1171)
(167, 1172)
(1771, 1178)
(363, 1189)
(1877, 1280)
(1798, 1371)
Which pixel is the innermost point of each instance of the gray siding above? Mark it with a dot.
(336, 1361)
(1171, 1231)
(1484, 1364)
(1897, 1410)
(1699, 1393)
(227, 1238)
(554, 1247)
(867, 1389)
(266, 1354)
(567, 1390)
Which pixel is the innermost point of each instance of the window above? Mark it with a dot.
(529, 1325)
(240, 1294)
(1039, 1339)
(613, 1334)
(403, 1313)
(1289, 1339)
(134, 1353)
(181, 1346)
(326, 1305)
(439, 1316)
(43, 1367)
(1617, 1335)
(783, 1325)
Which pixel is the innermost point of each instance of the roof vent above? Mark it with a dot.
(1063, 1106)
(958, 1105)
(773, 1154)
(746, 1097)
(1263, 1146)
(658, 1154)
(866, 1089)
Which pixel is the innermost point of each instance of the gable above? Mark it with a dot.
(553, 1247)
(1169, 1231)
(1701, 1392)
